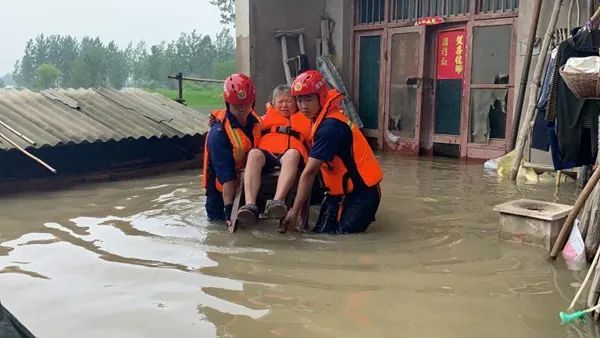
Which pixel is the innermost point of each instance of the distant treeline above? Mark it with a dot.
(63, 61)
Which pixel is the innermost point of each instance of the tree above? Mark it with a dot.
(224, 69)
(225, 46)
(91, 63)
(47, 76)
(227, 8)
(25, 68)
(90, 69)
(2, 85)
(118, 71)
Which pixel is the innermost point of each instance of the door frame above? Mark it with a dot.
(406, 146)
(495, 147)
(373, 133)
(446, 138)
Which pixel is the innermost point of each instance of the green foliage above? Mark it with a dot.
(47, 76)
(93, 63)
(227, 8)
(224, 69)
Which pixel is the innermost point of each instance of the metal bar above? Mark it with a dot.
(28, 154)
(197, 80)
(180, 87)
(25, 138)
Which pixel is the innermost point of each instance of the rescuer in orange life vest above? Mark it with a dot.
(283, 144)
(236, 130)
(350, 171)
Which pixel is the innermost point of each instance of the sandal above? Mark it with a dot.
(275, 209)
(248, 215)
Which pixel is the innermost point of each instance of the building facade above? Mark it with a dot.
(441, 76)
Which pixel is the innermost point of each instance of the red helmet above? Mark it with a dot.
(239, 89)
(309, 83)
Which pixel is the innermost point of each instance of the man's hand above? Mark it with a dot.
(290, 219)
(211, 120)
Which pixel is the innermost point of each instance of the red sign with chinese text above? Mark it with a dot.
(451, 52)
(432, 20)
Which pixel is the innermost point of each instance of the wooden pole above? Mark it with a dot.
(301, 43)
(594, 19)
(26, 153)
(527, 124)
(566, 228)
(592, 235)
(27, 139)
(284, 56)
(325, 37)
(585, 281)
(537, 6)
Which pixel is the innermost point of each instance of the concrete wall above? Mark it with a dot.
(242, 28)
(260, 53)
(341, 13)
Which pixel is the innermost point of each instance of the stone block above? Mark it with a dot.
(533, 222)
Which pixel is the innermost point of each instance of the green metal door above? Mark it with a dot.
(370, 63)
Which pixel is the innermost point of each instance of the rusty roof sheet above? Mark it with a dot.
(71, 116)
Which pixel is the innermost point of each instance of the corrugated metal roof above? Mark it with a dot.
(64, 116)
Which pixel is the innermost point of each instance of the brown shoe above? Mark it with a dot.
(248, 215)
(275, 209)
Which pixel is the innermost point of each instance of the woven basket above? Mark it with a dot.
(583, 85)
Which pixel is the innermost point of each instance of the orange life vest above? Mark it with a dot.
(336, 176)
(281, 133)
(240, 144)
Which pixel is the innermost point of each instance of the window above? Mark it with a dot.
(490, 82)
(496, 6)
(370, 12)
(403, 83)
(409, 10)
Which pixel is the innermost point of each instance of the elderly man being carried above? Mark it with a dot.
(283, 144)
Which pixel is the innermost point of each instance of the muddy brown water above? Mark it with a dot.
(138, 259)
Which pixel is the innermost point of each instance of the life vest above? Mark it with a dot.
(338, 176)
(240, 144)
(280, 133)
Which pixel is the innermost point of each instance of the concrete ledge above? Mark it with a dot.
(541, 210)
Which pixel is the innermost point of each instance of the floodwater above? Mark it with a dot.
(138, 259)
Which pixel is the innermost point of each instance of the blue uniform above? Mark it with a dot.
(222, 163)
(334, 138)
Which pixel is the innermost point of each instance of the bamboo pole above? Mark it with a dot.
(325, 37)
(27, 139)
(585, 281)
(533, 93)
(594, 19)
(537, 6)
(592, 238)
(566, 228)
(26, 153)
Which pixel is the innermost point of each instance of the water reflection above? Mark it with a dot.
(138, 258)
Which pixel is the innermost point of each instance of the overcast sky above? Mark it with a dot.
(119, 20)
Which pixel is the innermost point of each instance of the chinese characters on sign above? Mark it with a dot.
(451, 55)
(434, 20)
